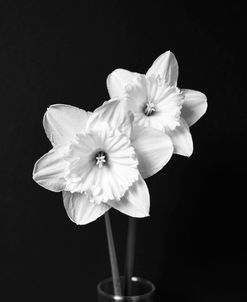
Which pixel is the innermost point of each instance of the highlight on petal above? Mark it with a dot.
(114, 114)
(136, 202)
(80, 210)
(195, 105)
(137, 94)
(118, 80)
(182, 139)
(166, 67)
(63, 122)
(50, 170)
(154, 149)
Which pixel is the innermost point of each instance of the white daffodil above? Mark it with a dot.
(96, 159)
(156, 101)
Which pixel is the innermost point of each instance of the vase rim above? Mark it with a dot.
(134, 279)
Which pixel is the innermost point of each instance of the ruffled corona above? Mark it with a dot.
(103, 165)
(155, 103)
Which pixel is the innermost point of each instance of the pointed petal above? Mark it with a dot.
(136, 202)
(62, 122)
(182, 139)
(49, 170)
(118, 80)
(195, 105)
(154, 149)
(166, 67)
(137, 94)
(80, 210)
(113, 114)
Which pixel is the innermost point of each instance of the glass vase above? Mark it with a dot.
(141, 291)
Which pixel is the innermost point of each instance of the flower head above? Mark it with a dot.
(157, 102)
(98, 160)
(154, 102)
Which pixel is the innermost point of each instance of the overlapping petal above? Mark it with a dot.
(118, 80)
(153, 148)
(195, 105)
(136, 202)
(173, 115)
(182, 139)
(166, 67)
(80, 210)
(63, 122)
(50, 170)
(113, 114)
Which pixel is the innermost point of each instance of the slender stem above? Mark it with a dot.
(130, 254)
(113, 258)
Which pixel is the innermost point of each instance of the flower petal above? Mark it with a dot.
(166, 67)
(154, 148)
(49, 171)
(137, 94)
(182, 139)
(195, 105)
(136, 202)
(62, 122)
(113, 114)
(117, 81)
(80, 210)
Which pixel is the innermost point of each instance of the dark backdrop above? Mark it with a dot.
(193, 245)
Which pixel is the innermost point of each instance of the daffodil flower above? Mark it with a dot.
(98, 161)
(157, 102)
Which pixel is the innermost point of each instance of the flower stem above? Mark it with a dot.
(130, 254)
(113, 258)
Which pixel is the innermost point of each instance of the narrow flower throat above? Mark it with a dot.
(100, 159)
(149, 108)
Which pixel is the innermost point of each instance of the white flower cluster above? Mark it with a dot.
(100, 159)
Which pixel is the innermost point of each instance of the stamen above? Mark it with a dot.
(101, 159)
(149, 108)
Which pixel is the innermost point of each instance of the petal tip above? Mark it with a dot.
(166, 67)
(189, 153)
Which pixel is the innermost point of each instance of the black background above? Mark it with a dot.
(193, 245)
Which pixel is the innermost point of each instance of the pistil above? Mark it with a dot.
(149, 108)
(101, 159)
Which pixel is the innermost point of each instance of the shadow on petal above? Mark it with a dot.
(154, 149)
(136, 201)
(50, 170)
(182, 139)
(63, 122)
(80, 210)
(118, 80)
(194, 107)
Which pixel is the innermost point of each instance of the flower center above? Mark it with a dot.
(149, 108)
(100, 159)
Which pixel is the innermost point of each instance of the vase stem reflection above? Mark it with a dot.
(141, 291)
